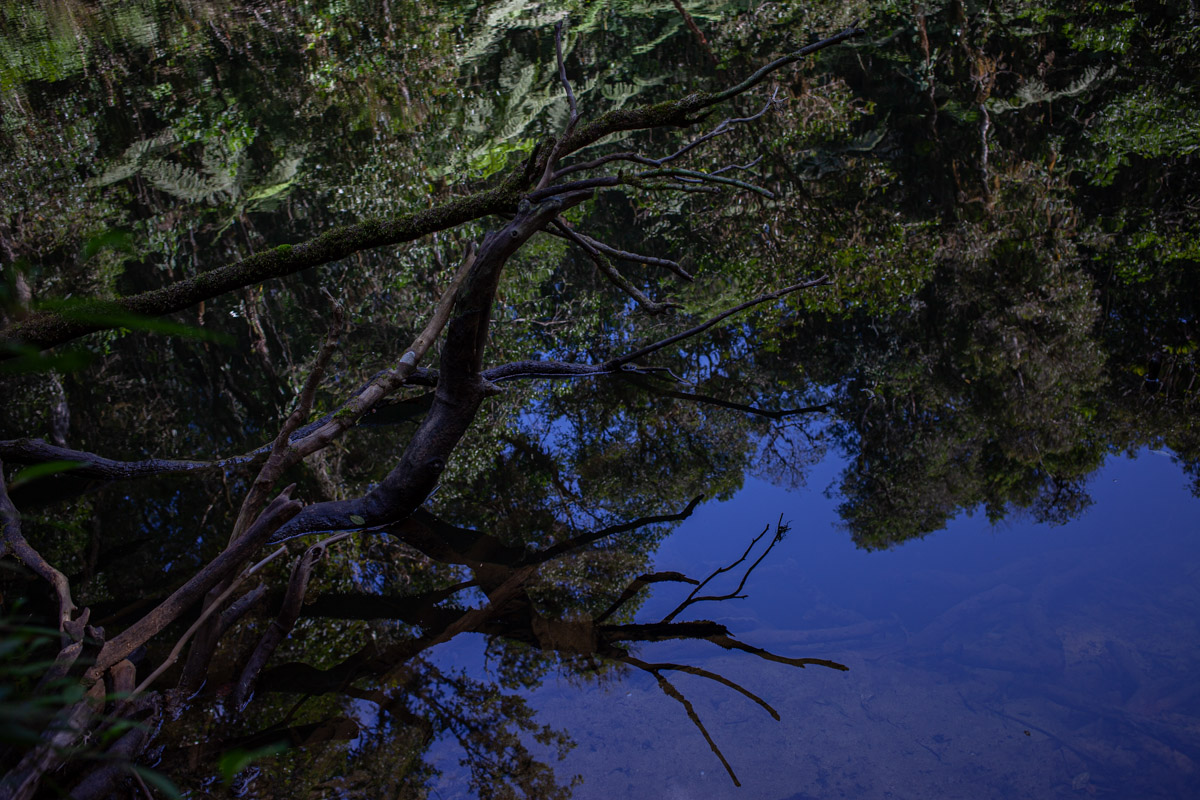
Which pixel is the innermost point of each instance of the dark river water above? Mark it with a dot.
(970, 456)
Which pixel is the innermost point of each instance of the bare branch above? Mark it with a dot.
(280, 510)
(608, 159)
(621, 364)
(609, 271)
(388, 381)
(616, 363)
(639, 583)
(90, 465)
(625, 255)
(703, 673)
(282, 625)
(707, 177)
(691, 598)
(666, 186)
(716, 401)
(743, 167)
(729, 643)
(724, 127)
(14, 542)
(173, 656)
(459, 394)
(552, 161)
(239, 608)
(798, 55)
(308, 393)
(637, 158)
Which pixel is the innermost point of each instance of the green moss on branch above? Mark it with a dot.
(49, 328)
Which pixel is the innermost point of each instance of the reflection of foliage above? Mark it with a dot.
(1143, 124)
(376, 742)
(217, 177)
(1009, 214)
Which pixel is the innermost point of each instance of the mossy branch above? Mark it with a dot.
(45, 329)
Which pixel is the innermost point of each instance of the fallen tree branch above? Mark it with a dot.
(278, 512)
(89, 465)
(14, 542)
(282, 625)
(173, 656)
(459, 393)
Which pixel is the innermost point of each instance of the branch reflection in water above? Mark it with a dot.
(392, 698)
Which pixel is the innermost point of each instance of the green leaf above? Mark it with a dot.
(113, 316)
(42, 470)
(357, 520)
(24, 359)
(234, 761)
(158, 781)
(108, 240)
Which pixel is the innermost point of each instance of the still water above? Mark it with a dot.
(1019, 660)
(1005, 199)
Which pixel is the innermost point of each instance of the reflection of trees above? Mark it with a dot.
(1015, 298)
(119, 704)
(993, 410)
(524, 611)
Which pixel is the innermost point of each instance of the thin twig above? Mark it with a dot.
(625, 255)
(743, 167)
(616, 363)
(780, 530)
(687, 601)
(609, 271)
(716, 401)
(761, 74)
(548, 173)
(707, 177)
(583, 539)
